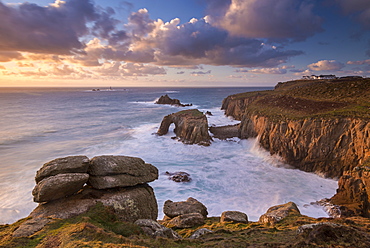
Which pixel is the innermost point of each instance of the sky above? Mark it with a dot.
(180, 43)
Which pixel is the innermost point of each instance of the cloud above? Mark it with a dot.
(241, 70)
(2, 67)
(180, 72)
(360, 62)
(292, 19)
(269, 71)
(6, 56)
(359, 9)
(326, 65)
(56, 28)
(200, 73)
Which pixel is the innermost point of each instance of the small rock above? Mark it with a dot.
(277, 213)
(187, 220)
(179, 176)
(191, 205)
(72, 164)
(234, 216)
(200, 232)
(154, 229)
(59, 186)
(30, 227)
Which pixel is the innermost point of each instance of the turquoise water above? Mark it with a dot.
(38, 125)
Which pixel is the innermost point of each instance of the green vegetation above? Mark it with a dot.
(190, 112)
(311, 98)
(101, 228)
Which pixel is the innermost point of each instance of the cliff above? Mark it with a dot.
(191, 127)
(315, 125)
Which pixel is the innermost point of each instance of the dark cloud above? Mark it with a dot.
(358, 9)
(197, 73)
(56, 28)
(6, 56)
(280, 19)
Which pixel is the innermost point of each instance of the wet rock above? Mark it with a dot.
(278, 213)
(209, 113)
(30, 227)
(187, 220)
(59, 186)
(154, 229)
(191, 205)
(200, 232)
(72, 164)
(234, 216)
(225, 132)
(129, 204)
(179, 176)
(167, 100)
(120, 171)
(191, 127)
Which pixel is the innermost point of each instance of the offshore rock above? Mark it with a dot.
(234, 216)
(277, 213)
(120, 171)
(71, 164)
(129, 204)
(191, 127)
(191, 205)
(179, 176)
(353, 193)
(226, 132)
(167, 100)
(59, 186)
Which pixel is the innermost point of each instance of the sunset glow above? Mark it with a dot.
(180, 43)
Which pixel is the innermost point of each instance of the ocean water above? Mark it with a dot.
(41, 124)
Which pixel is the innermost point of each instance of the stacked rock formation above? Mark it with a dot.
(70, 186)
(184, 214)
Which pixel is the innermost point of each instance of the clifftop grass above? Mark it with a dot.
(312, 98)
(100, 228)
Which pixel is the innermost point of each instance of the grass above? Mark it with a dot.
(303, 99)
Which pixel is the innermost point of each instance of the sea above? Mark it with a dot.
(38, 125)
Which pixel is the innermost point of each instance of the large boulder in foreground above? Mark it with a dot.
(71, 164)
(120, 171)
(277, 213)
(129, 204)
(168, 100)
(191, 205)
(59, 186)
(191, 127)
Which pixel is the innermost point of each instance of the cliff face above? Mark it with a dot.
(325, 146)
(320, 127)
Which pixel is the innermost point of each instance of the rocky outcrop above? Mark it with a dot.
(353, 193)
(185, 214)
(276, 214)
(120, 171)
(116, 182)
(320, 127)
(191, 127)
(225, 132)
(234, 216)
(167, 100)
